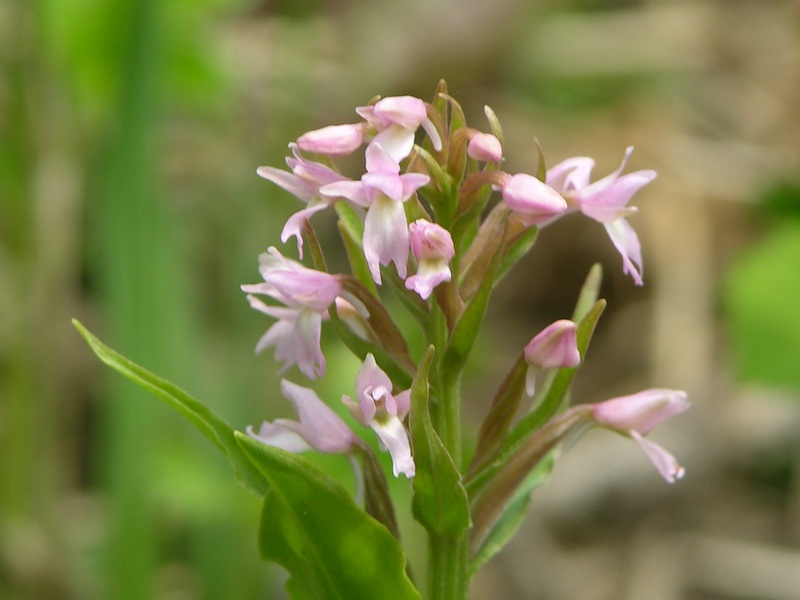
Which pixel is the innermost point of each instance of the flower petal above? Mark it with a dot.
(666, 464)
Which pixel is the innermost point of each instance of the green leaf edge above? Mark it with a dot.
(214, 427)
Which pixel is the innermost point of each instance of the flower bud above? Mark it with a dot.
(485, 147)
(334, 140)
(555, 347)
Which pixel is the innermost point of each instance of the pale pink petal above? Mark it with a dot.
(570, 174)
(533, 201)
(556, 346)
(406, 111)
(306, 343)
(485, 147)
(395, 438)
(430, 273)
(334, 140)
(295, 224)
(665, 463)
(275, 434)
(396, 141)
(352, 190)
(626, 242)
(288, 181)
(386, 237)
(641, 411)
(322, 428)
(610, 202)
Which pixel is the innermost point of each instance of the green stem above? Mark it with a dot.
(449, 425)
(447, 574)
(448, 554)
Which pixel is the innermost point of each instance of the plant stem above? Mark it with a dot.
(449, 427)
(447, 569)
(447, 554)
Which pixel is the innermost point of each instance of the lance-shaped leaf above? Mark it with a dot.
(465, 329)
(512, 516)
(214, 427)
(381, 323)
(494, 123)
(377, 499)
(440, 501)
(493, 500)
(331, 547)
(501, 415)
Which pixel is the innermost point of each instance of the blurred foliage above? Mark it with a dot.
(762, 292)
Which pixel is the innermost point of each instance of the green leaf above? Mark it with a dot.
(508, 523)
(440, 502)
(501, 414)
(516, 250)
(214, 427)
(331, 547)
(466, 327)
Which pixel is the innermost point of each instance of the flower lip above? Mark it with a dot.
(377, 407)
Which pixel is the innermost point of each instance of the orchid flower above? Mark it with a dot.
(605, 201)
(375, 406)
(382, 190)
(636, 415)
(397, 119)
(555, 347)
(307, 295)
(432, 248)
(303, 182)
(317, 427)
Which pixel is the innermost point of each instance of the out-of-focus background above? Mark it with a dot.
(130, 131)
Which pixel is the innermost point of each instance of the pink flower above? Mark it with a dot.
(382, 190)
(432, 248)
(334, 140)
(636, 415)
(533, 201)
(317, 428)
(605, 201)
(376, 407)
(485, 147)
(307, 295)
(303, 182)
(397, 119)
(555, 347)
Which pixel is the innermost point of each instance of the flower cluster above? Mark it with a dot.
(430, 226)
(420, 222)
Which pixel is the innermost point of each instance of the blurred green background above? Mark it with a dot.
(130, 131)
